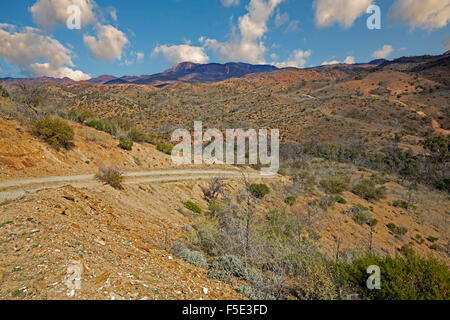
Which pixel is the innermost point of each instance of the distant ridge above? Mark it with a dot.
(188, 72)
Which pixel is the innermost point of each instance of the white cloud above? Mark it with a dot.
(384, 52)
(181, 53)
(108, 45)
(36, 53)
(343, 12)
(113, 13)
(297, 59)
(347, 60)
(281, 19)
(229, 3)
(425, 14)
(49, 14)
(140, 57)
(248, 45)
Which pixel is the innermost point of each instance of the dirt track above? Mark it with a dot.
(12, 189)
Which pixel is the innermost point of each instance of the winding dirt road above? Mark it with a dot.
(12, 189)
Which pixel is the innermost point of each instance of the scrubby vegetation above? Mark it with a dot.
(193, 207)
(126, 144)
(193, 257)
(403, 277)
(368, 190)
(166, 148)
(55, 131)
(399, 231)
(111, 176)
(335, 185)
(259, 191)
(290, 200)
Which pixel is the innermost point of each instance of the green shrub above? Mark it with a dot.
(290, 200)
(400, 231)
(100, 125)
(368, 190)
(111, 176)
(126, 144)
(138, 136)
(259, 191)
(193, 257)
(56, 132)
(403, 277)
(359, 214)
(193, 207)
(166, 148)
(432, 239)
(334, 185)
(434, 247)
(340, 199)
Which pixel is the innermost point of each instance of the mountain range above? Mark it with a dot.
(189, 72)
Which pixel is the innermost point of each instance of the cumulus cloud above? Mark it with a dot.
(247, 45)
(36, 53)
(384, 52)
(297, 59)
(347, 60)
(181, 53)
(49, 14)
(343, 12)
(108, 45)
(229, 3)
(430, 14)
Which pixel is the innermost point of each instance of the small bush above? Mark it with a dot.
(253, 293)
(403, 277)
(166, 148)
(368, 190)
(259, 191)
(403, 204)
(100, 125)
(111, 176)
(432, 239)
(400, 231)
(190, 205)
(56, 132)
(290, 200)
(334, 185)
(434, 247)
(126, 144)
(228, 266)
(193, 257)
(359, 214)
(340, 199)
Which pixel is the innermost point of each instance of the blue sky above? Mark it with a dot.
(137, 37)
